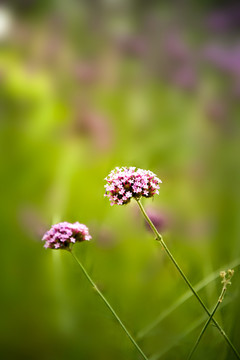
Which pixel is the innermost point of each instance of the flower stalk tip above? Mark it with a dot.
(226, 280)
(226, 276)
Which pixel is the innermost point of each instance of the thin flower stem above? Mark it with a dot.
(109, 306)
(200, 285)
(208, 321)
(160, 239)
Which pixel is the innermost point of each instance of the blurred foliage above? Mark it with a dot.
(87, 86)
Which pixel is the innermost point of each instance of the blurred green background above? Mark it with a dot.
(89, 85)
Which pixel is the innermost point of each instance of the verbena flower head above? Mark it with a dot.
(130, 182)
(64, 235)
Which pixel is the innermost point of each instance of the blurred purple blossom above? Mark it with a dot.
(106, 237)
(95, 126)
(32, 222)
(217, 110)
(133, 45)
(175, 47)
(224, 58)
(158, 218)
(224, 19)
(185, 77)
(86, 72)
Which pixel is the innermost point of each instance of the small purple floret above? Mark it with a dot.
(64, 235)
(130, 182)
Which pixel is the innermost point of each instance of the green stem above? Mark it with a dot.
(208, 321)
(109, 306)
(200, 285)
(160, 239)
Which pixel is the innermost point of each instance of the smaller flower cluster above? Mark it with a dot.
(130, 182)
(226, 277)
(64, 234)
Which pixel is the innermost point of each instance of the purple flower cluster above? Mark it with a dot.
(130, 182)
(64, 234)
